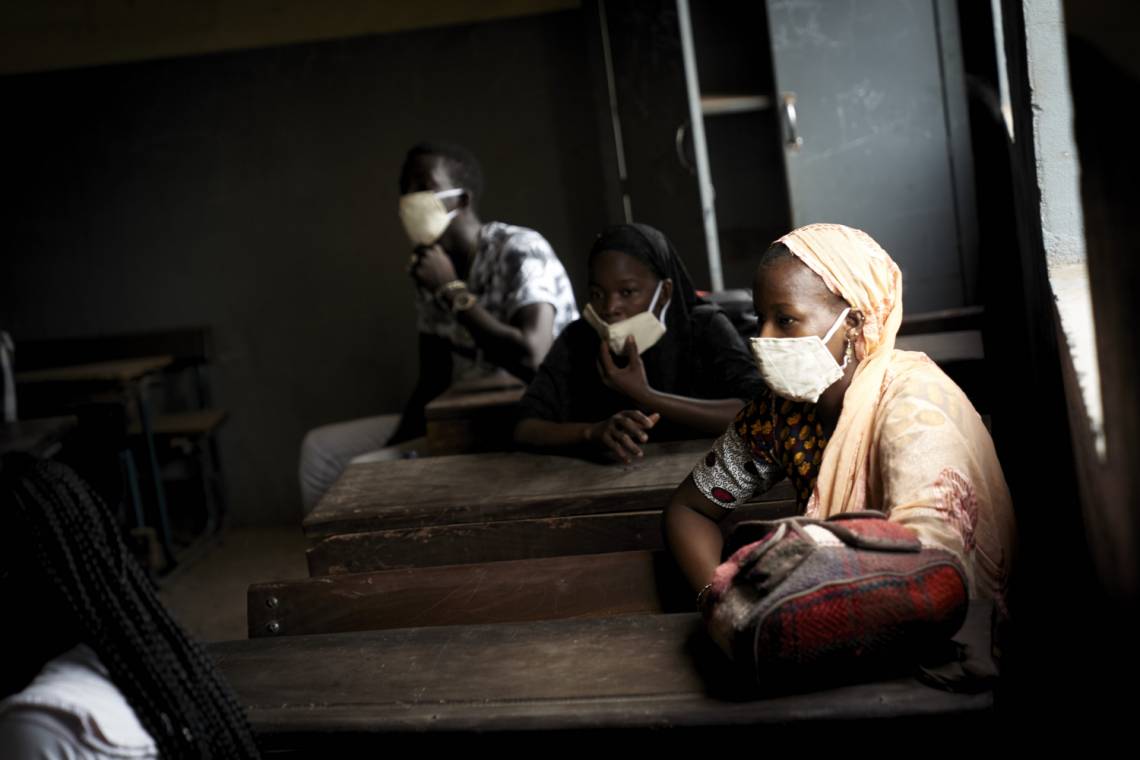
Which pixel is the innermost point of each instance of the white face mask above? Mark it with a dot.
(424, 217)
(799, 369)
(645, 328)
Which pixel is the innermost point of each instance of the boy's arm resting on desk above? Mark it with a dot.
(518, 347)
(434, 378)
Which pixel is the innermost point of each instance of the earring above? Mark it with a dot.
(849, 352)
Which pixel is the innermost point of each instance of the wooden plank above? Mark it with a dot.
(476, 488)
(480, 432)
(188, 346)
(469, 416)
(632, 672)
(589, 585)
(485, 542)
(116, 371)
(194, 422)
(509, 540)
(943, 320)
(465, 395)
(945, 347)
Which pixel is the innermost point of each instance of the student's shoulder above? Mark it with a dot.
(512, 240)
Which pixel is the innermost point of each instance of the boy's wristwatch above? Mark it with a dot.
(462, 301)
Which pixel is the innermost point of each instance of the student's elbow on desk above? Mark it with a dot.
(692, 532)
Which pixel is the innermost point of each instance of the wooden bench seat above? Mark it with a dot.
(635, 672)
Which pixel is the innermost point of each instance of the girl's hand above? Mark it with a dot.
(622, 433)
(630, 380)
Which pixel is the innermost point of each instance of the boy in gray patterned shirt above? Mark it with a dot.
(489, 295)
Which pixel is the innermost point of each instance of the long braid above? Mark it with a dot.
(166, 677)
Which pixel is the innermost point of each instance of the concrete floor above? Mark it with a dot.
(208, 596)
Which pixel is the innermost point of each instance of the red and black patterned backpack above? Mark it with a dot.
(800, 598)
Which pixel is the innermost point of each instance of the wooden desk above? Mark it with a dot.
(119, 371)
(129, 377)
(633, 672)
(499, 506)
(473, 415)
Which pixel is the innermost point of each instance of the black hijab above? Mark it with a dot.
(650, 246)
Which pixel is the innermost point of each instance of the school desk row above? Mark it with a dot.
(517, 597)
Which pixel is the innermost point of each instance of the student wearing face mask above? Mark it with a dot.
(648, 361)
(489, 296)
(852, 423)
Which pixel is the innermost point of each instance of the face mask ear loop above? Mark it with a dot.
(835, 326)
(665, 310)
(653, 303)
(454, 192)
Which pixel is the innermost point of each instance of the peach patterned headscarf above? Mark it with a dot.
(908, 442)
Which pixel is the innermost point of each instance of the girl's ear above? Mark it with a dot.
(855, 332)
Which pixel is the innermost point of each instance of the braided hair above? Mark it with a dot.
(65, 543)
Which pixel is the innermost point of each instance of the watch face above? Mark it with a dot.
(463, 302)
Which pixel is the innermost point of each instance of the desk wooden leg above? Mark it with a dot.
(159, 490)
(131, 478)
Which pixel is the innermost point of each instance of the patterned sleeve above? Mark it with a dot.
(533, 274)
(730, 474)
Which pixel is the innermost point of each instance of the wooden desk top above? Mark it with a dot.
(470, 395)
(479, 488)
(117, 371)
(642, 671)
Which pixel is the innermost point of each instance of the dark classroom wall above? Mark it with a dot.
(255, 192)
